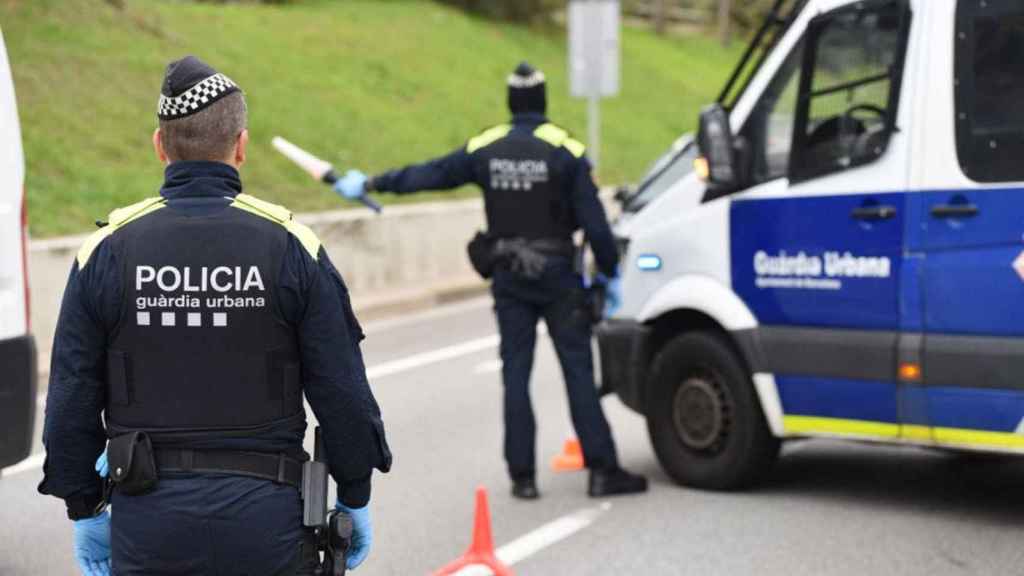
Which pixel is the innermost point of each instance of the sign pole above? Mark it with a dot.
(594, 60)
(594, 125)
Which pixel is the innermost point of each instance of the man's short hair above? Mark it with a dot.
(209, 134)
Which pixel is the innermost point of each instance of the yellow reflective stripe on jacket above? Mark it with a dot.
(488, 137)
(575, 147)
(282, 216)
(115, 220)
(275, 212)
(559, 138)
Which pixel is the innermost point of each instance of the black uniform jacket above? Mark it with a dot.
(459, 168)
(314, 302)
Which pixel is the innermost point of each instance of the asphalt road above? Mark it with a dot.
(828, 508)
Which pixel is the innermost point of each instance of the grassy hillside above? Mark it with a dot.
(370, 84)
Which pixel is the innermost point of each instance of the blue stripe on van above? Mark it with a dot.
(832, 398)
(975, 408)
(939, 407)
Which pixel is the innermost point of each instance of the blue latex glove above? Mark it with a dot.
(362, 534)
(352, 186)
(102, 468)
(92, 545)
(612, 293)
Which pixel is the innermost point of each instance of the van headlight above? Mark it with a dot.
(648, 262)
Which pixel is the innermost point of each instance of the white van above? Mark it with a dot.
(17, 347)
(847, 258)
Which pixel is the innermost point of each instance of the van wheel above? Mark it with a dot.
(703, 415)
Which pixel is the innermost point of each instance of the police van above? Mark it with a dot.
(17, 347)
(840, 250)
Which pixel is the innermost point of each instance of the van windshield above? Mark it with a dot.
(669, 169)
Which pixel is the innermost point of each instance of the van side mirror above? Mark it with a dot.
(623, 194)
(717, 149)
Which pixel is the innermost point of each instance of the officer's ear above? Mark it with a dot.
(241, 147)
(158, 145)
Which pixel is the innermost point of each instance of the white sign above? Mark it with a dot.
(594, 52)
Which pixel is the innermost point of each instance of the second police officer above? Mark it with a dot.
(538, 190)
(192, 325)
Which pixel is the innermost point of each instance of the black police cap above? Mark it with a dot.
(191, 85)
(527, 90)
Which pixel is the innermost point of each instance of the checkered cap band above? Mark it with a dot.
(517, 81)
(196, 98)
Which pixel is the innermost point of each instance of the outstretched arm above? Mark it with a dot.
(444, 173)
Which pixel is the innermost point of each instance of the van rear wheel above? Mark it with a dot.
(703, 415)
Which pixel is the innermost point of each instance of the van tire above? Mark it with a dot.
(703, 415)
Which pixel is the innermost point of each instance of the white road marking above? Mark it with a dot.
(31, 463)
(440, 355)
(543, 537)
(432, 314)
(489, 367)
(432, 357)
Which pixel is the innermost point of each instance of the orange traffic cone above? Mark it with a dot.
(571, 458)
(481, 551)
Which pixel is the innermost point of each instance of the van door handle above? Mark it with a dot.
(879, 212)
(954, 210)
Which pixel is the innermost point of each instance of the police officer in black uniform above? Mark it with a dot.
(538, 190)
(192, 325)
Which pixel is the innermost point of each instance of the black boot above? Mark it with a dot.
(525, 489)
(614, 481)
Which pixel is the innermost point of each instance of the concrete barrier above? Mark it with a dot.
(409, 256)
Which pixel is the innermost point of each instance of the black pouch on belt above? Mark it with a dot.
(132, 465)
(482, 255)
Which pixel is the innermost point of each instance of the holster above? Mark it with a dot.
(596, 296)
(132, 464)
(314, 486)
(482, 254)
(523, 259)
(337, 541)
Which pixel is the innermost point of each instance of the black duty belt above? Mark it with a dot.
(274, 467)
(553, 246)
(545, 246)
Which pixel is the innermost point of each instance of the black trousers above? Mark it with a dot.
(519, 304)
(211, 525)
